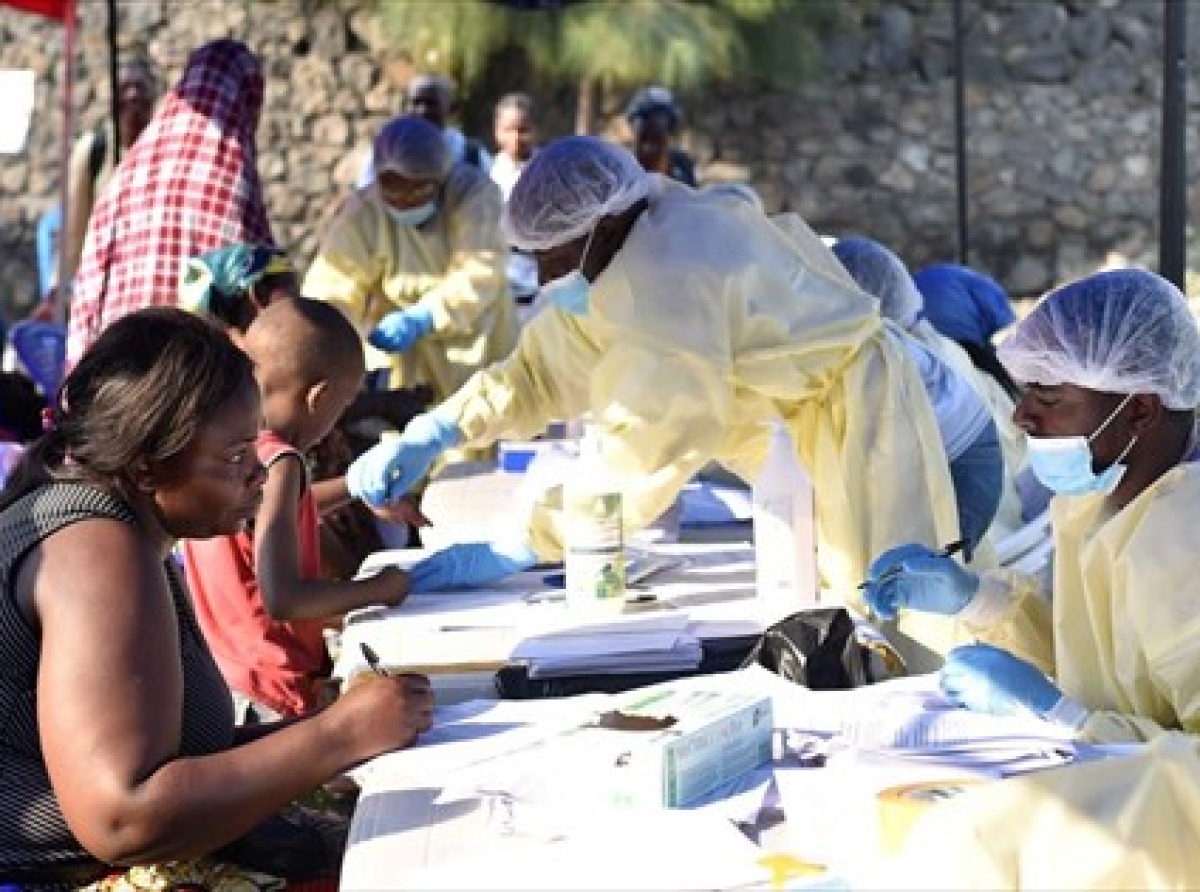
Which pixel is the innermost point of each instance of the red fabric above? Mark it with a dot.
(55, 9)
(189, 184)
(269, 661)
(329, 885)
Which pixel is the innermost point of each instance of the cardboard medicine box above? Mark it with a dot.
(717, 737)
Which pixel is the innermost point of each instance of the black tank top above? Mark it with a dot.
(33, 832)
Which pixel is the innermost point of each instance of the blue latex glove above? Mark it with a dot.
(386, 471)
(984, 678)
(918, 578)
(473, 563)
(400, 329)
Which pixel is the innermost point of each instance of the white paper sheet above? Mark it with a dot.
(17, 95)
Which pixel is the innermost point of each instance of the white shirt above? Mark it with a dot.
(505, 172)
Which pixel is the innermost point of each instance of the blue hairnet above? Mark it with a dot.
(1123, 331)
(964, 304)
(567, 187)
(880, 272)
(412, 147)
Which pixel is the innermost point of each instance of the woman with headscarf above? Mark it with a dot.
(189, 184)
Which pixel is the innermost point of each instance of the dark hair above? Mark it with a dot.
(140, 393)
(654, 102)
(334, 341)
(20, 407)
(515, 102)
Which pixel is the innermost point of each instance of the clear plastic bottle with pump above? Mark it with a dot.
(594, 545)
(785, 554)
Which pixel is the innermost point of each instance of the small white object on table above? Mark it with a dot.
(707, 593)
(419, 825)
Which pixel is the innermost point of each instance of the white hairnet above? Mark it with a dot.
(412, 147)
(567, 187)
(1122, 331)
(880, 272)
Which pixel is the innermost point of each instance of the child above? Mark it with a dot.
(258, 594)
(232, 285)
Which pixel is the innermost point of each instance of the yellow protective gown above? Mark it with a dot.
(1123, 637)
(1000, 404)
(710, 320)
(369, 265)
(1123, 823)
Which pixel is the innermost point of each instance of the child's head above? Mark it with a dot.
(308, 360)
(232, 284)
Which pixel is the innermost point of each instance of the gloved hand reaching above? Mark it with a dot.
(400, 329)
(473, 563)
(984, 678)
(918, 578)
(388, 470)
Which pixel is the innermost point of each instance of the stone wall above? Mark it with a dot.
(1063, 117)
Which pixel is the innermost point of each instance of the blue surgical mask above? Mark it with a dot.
(412, 216)
(571, 292)
(1064, 464)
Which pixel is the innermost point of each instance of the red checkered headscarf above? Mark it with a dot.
(188, 185)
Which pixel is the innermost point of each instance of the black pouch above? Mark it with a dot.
(824, 650)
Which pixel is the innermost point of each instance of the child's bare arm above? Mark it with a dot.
(286, 594)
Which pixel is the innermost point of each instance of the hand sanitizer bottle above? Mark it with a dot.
(785, 555)
(593, 546)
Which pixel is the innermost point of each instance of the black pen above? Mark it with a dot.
(373, 660)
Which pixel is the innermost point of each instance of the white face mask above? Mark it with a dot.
(571, 292)
(1064, 464)
(412, 216)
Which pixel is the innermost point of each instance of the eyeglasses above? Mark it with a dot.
(405, 193)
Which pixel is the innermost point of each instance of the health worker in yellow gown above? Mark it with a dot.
(682, 320)
(1110, 647)
(417, 261)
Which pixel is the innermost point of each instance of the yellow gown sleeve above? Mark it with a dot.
(520, 395)
(1025, 626)
(653, 441)
(348, 266)
(1166, 629)
(475, 275)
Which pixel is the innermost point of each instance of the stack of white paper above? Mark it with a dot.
(657, 641)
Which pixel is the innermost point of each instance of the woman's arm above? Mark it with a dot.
(110, 694)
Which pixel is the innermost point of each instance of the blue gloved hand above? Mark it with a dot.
(918, 578)
(984, 678)
(473, 563)
(400, 329)
(388, 470)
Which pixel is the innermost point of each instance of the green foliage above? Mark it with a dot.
(680, 43)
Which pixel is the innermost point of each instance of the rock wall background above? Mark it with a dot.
(1063, 118)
